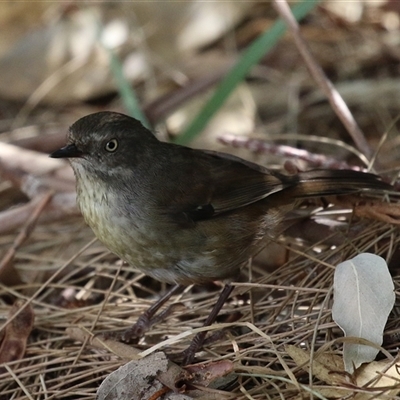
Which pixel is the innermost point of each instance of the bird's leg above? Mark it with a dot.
(146, 320)
(197, 342)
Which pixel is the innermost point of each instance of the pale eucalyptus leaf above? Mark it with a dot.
(363, 298)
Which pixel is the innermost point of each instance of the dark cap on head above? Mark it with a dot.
(107, 121)
(89, 132)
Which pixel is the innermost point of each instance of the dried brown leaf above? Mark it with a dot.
(16, 333)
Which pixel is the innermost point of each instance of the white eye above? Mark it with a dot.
(111, 145)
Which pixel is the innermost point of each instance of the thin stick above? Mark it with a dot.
(45, 284)
(336, 101)
(5, 264)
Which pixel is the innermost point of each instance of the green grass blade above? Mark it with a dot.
(124, 87)
(250, 57)
(125, 90)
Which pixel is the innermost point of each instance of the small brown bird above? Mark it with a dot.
(181, 215)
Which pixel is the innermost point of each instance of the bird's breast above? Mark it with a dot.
(134, 228)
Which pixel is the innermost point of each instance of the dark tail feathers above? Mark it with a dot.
(326, 182)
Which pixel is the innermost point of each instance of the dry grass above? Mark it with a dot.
(291, 305)
(74, 282)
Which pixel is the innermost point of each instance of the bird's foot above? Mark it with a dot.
(196, 344)
(144, 323)
(137, 330)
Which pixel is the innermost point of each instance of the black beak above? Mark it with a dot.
(68, 151)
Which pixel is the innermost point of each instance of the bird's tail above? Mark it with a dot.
(325, 182)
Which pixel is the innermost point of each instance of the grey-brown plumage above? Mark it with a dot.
(182, 215)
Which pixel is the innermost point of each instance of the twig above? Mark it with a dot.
(6, 267)
(61, 205)
(259, 146)
(336, 101)
(172, 100)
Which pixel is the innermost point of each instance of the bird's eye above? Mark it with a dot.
(111, 145)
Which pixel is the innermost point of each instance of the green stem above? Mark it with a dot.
(251, 56)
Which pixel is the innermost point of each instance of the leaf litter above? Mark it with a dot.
(277, 330)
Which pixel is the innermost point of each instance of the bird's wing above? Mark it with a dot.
(223, 183)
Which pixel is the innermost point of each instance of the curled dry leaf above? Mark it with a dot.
(173, 377)
(214, 374)
(380, 377)
(327, 367)
(363, 298)
(137, 380)
(16, 333)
